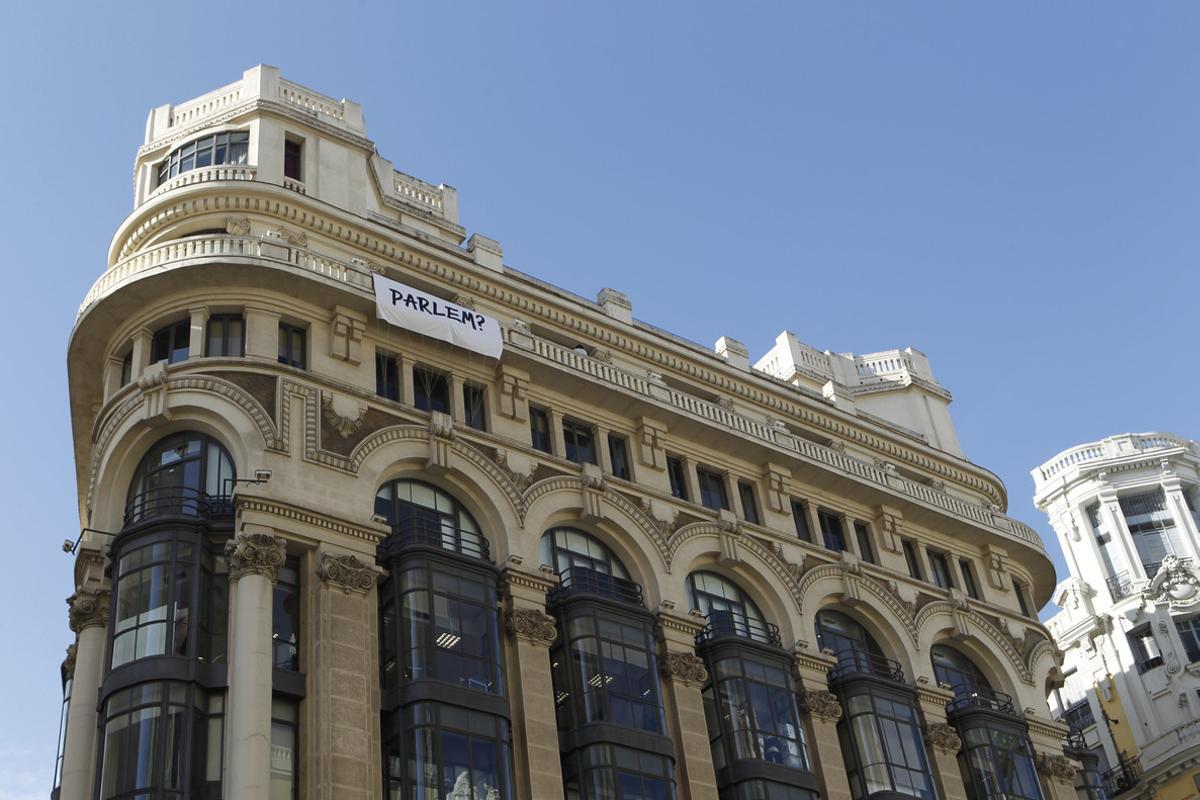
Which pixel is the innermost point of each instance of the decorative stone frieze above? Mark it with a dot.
(777, 487)
(650, 444)
(346, 572)
(1176, 584)
(823, 705)
(531, 625)
(344, 424)
(255, 554)
(1056, 768)
(943, 737)
(346, 334)
(237, 226)
(88, 608)
(521, 480)
(685, 668)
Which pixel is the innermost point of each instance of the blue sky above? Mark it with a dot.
(1012, 188)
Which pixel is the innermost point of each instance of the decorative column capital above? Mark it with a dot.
(255, 554)
(532, 625)
(346, 572)
(68, 665)
(823, 705)
(684, 668)
(1055, 768)
(88, 608)
(942, 737)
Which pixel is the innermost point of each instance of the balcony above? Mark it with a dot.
(175, 501)
(1120, 585)
(1078, 717)
(855, 663)
(722, 624)
(575, 581)
(426, 532)
(977, 697)
(1122, 777)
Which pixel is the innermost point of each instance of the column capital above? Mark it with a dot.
(532, 625)
(943, 737)
(88, 608)
(822, 704)
(346, 572)
(1055, 767)
(255, 553)
(68, 665)
(685, 668)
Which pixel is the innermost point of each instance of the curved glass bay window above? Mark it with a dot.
(167, 646)
(750, 703)
(607, 696)
(997, 757)
(880, 729)
(445, 716)
(230, 147)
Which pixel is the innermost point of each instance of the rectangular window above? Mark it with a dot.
(1022, 598)
(1189, 632)
(800, 517)
(862, 535)
(579, 441)
(284, 723)
(293, 160)
(285, 616)
(749, 506)
(968, 575)
(618, 454)
(292, 350)
(1153, 529)
(910, 558)
(939, 569)
(387, 376)
(127, 368)
(831, 531)
(675, 473)
(1145, 650)
(712, 489)
(474, 407)
(171, 344)
(539, 429)
(431, 390)
(225, 336)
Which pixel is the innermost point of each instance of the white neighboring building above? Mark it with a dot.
(1124, 512)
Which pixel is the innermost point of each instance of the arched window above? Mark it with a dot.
(728, 610)
(607, 696)
(230, 147)
(421, 514)
(880, 729)
(186, 474)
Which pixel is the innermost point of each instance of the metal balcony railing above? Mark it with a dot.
(1120, 585)
(1122, 777)
(1079, 716)
(858, 662)
(582, 580)
(733, 623)
(433, 532)
(1074, 740)
(175, 501)
(968, 697)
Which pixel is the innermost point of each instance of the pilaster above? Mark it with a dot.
(88, 617)
(823, 711)
(942, 742)
(684, 676)
(262, 333)
(197, 330)
(1056, 772)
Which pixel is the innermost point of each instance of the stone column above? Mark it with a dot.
(942, 742)
(344, 685)
(824, 711)
(536, 760)
(254, 560)
(89, 620)
(198, 331)
(684, 676)
(262, 332)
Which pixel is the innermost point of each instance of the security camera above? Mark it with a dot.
(262, 475)
(379, 519)
(68, 546)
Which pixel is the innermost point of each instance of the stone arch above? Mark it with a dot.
(637, 558)
(979, 638)
(1045, 659)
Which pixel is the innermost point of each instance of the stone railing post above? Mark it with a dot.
(942, 742)
(684, 676)
(531, 631)
(254, 560)
(823, 711)
(89, 610)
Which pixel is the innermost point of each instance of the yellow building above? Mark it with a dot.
(368, 513)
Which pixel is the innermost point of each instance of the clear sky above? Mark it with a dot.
(1011, 187)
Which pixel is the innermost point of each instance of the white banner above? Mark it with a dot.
(405, 307)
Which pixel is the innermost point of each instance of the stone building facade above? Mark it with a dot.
(1124, 512)
(325, 556)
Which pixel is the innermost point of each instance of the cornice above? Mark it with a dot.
(292, 513)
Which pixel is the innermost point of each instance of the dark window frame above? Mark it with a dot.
(939, 569)
(579, 441)
(800, 519)
(966, 568)
(862, 537)
(387, 375)
(713, 493)
(749, 503)
(431, 389)
(912, 559)
(172, 343)
(226, 148)
(292, 725)
(231, 345)
(293, 345)
(286, 617)
(540, 437)
(677, 475)
(474, 399)
(293, 158)
(833, 534)
(618, 456)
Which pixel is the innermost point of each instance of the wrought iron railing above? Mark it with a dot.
(968, 697)
(582, 580)
(853, 662)
(1120, 585)
(1074, 740)
(732, 623)
(1122, 777)
(175, 501)
(1079, 716)
(434, 533)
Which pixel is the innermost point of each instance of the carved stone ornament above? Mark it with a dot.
(1056, 768)
(532, 625)
(346, 572)
(823, 705)
(255, 554)
(685, 668)
(237, 226)
(1176, 584)
(344, 425)
(68, 665)
(943, 737)
(88, 608)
